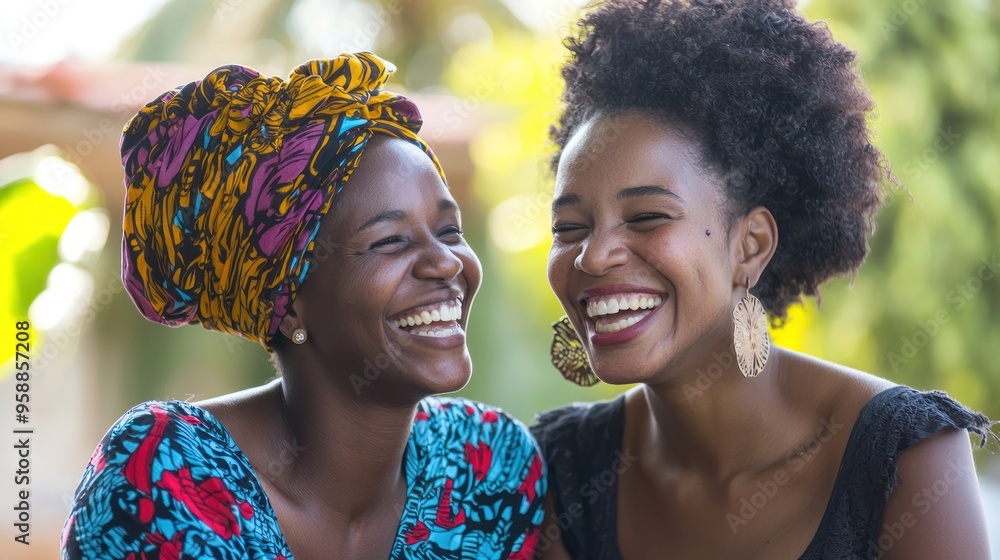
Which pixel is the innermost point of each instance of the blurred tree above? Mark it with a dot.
(50, 236)
(922, 310)
(418, 36)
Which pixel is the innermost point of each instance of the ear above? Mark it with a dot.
(293, 318)
(754, 245)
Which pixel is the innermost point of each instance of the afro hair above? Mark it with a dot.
(777, 109)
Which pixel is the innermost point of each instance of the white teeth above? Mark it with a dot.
(609, 305)
(439, 333)
(445, 312)
(603, 326)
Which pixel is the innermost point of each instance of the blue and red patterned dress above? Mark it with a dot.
(168, 482)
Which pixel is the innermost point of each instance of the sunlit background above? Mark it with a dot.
(922, 311)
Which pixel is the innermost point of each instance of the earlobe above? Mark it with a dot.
(291, 321)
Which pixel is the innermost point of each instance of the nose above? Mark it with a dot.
(600, 253)
(437, 262)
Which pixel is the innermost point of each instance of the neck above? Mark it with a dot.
(349, 448)
(710, 419)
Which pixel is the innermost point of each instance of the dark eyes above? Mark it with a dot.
(454, 233)
(647, 219)
(451, 230)
(387, 241)
(565, 228)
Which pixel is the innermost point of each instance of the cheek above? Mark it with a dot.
(366, 288)
(559, 267)
(691, 260)
(472, 269)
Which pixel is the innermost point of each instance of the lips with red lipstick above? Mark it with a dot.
(616, 314)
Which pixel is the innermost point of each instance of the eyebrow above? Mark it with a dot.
(390, 216)
(566, 200)
(647, 190)
(398, 215)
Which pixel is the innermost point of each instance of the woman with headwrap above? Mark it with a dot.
(307, 215)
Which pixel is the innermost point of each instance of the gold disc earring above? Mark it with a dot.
(750, 336)
(568, 355)
(299, 336)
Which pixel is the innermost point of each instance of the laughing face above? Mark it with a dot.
(640, 257)
(390, 301)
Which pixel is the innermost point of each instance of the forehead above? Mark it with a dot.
(393, 174)
(387, 160)
(627, 150)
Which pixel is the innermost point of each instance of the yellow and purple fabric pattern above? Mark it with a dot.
(227, 179)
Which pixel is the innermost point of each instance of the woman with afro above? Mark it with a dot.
(714, 165)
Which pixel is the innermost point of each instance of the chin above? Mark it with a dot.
(625, 376)
(442, 374)
(446, 379)
(621, 370)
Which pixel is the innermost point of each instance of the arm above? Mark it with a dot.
(936, 510)
(551, 548)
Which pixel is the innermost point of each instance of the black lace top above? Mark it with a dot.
(580, 441)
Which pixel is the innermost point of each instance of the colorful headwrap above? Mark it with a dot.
(227, 179)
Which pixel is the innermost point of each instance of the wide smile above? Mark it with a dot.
(614, 316)
(436, 324)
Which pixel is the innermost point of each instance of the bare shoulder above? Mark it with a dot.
(233, 406)
(246, 415)
(828, 386)
(938, 489)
